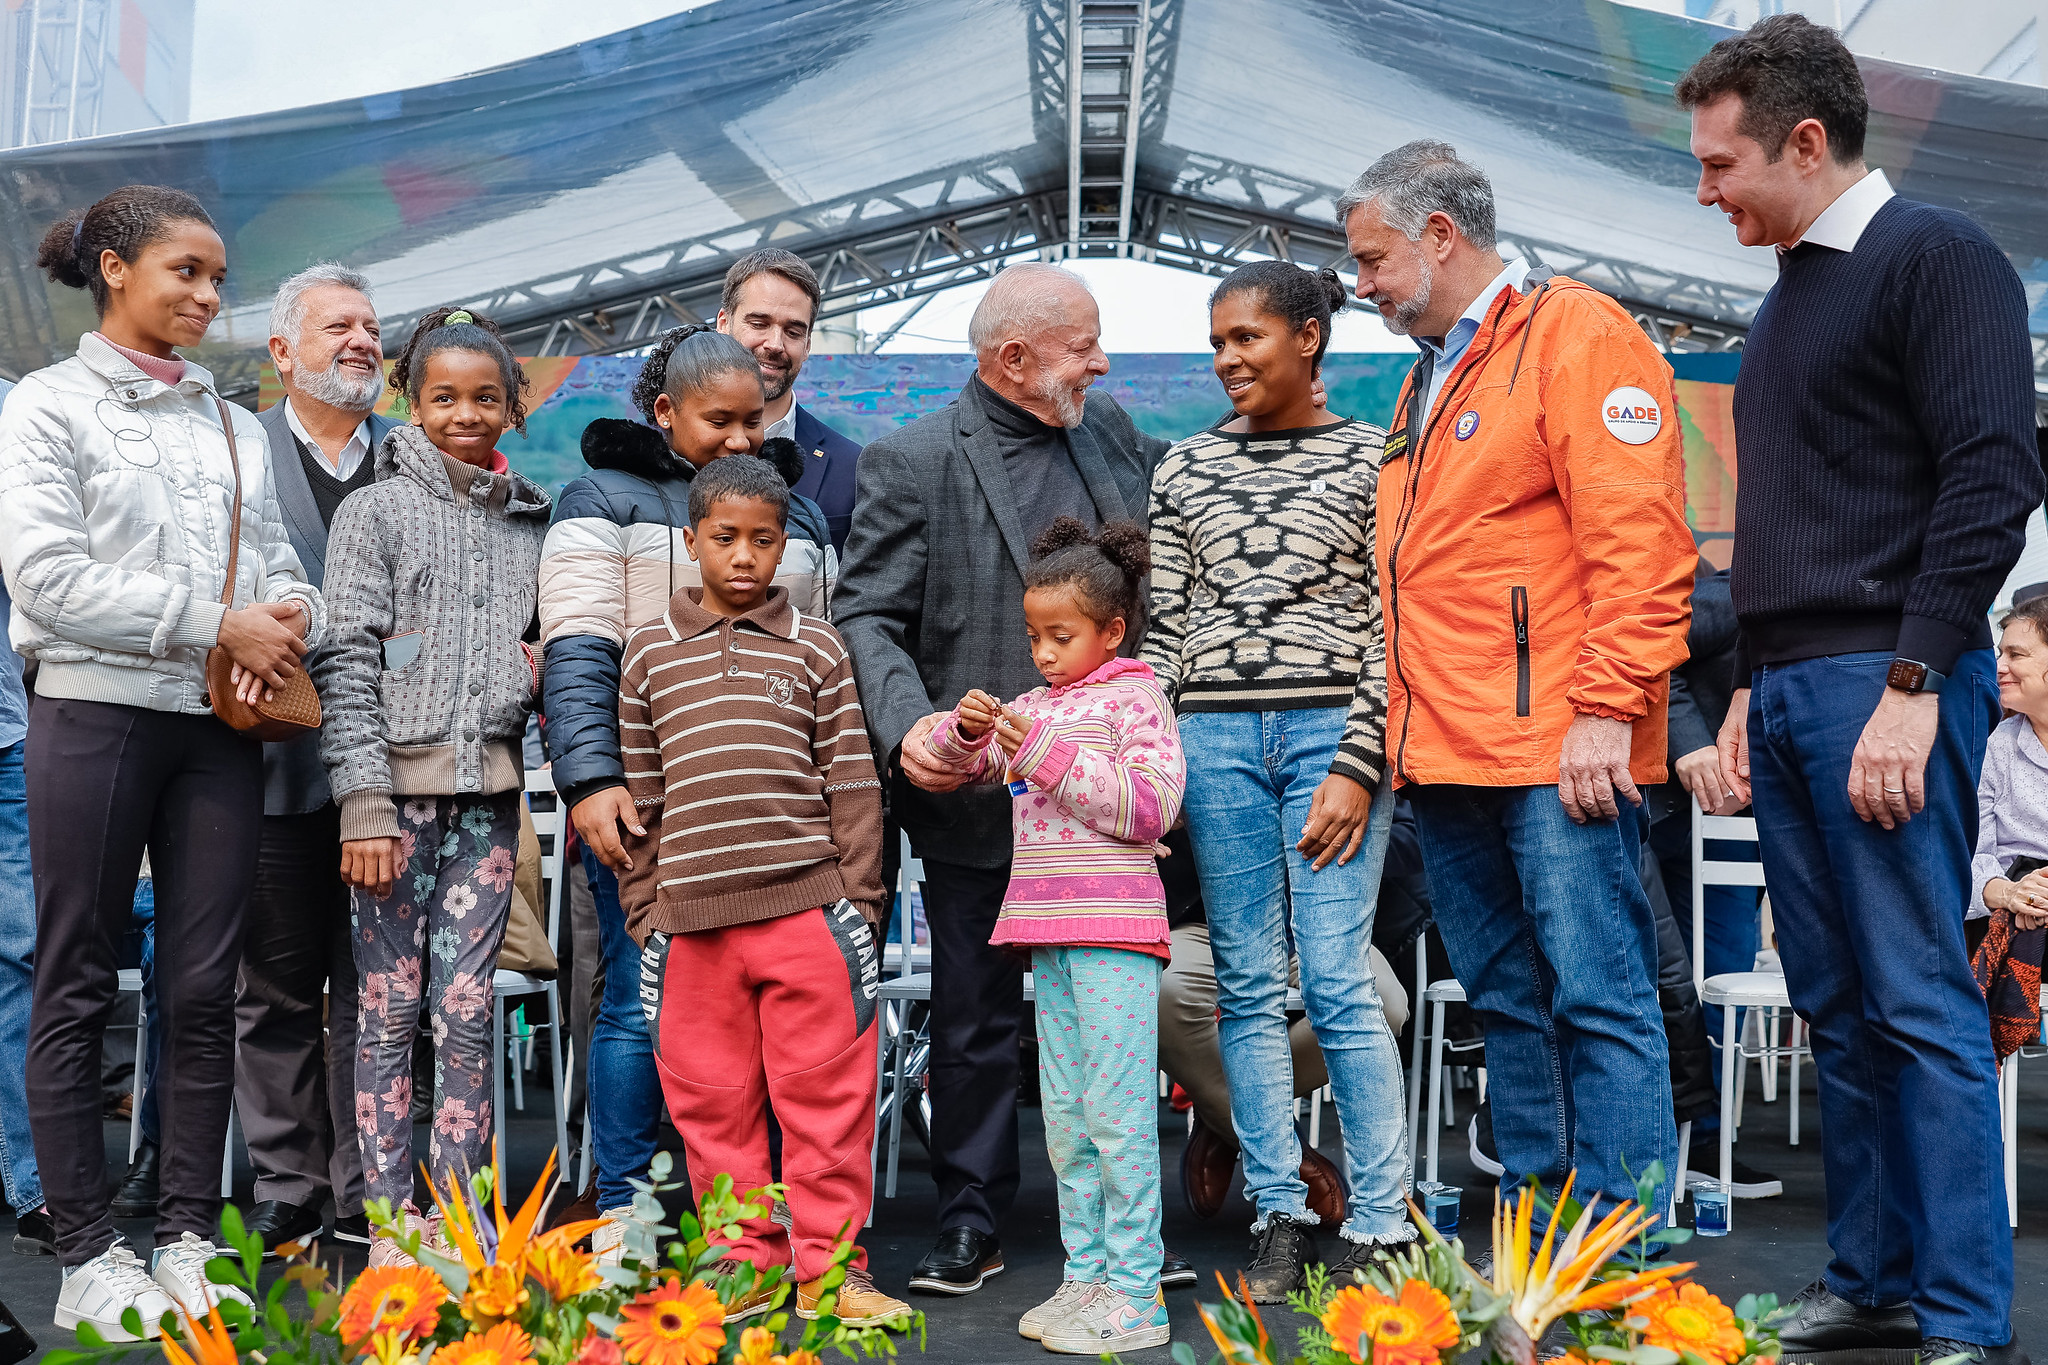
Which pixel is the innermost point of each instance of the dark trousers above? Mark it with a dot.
(977, 1017)
(104, 782)
(1870, 927)
(294, 1079)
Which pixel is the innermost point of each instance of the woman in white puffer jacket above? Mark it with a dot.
(117, 495)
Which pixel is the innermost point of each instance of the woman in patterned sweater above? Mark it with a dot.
(1266, 631)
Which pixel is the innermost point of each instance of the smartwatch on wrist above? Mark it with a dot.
(1913, 678)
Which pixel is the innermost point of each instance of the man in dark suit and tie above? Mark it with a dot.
(296, 1095)
(770, 306)
(931, 603)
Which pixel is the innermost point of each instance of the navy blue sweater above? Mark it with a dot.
(1884, 423)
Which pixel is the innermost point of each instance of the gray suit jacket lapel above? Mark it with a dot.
(295, 495)
(983, 456)
(1109, 499)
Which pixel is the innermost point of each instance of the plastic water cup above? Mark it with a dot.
(1710, 1211)
(1440, 1205)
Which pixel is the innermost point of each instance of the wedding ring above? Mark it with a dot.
(1895, 791)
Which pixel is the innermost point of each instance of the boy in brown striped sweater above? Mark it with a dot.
(754, 893)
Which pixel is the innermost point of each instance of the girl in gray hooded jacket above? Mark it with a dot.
(432, 578)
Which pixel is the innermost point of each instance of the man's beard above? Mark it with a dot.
(772, 389)
(1407, 314)
(1058, 395)
(337, 388)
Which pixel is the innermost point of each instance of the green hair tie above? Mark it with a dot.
(459, 315)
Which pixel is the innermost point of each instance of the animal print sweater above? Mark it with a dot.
(1264, 592)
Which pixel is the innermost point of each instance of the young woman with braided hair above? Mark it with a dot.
(615, 556)
(120, 470)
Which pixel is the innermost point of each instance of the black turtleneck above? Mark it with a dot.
(1040, 463)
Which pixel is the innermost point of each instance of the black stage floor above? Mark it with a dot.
(1778, 1244)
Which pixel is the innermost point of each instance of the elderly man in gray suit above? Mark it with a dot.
(294, 1093)
(931, 603)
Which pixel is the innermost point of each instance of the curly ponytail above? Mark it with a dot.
(1106, 571)
(686, 360)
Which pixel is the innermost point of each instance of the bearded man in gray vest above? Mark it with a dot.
(295, 1093)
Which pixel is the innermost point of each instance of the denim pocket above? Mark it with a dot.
(1876, 658)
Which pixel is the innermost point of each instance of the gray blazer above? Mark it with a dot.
(931, 590)
(294, 778)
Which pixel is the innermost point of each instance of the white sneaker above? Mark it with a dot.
(108, 1285)
(1112, 1322)
(180, 1270)
(1070, 1298)
(608, 1239)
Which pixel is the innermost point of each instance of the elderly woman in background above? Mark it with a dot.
(2012, 794)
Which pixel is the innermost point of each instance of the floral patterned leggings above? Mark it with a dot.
(437, 932)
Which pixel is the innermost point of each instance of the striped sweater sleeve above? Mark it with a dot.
(853, 791)
(645, 778)
(976, 759)
(1132, 795)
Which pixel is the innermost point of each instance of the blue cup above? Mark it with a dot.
(1710, 1211)
(1440, 1205)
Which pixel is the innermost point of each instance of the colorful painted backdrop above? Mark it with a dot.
(1168, 395)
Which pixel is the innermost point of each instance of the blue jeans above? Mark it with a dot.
(17, 982)
(1547, 926)
(1251, 778)
(625, 1090)
(1870, 927)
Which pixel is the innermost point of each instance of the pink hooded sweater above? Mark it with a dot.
(1104, 777)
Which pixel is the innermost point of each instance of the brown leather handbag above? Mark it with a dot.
(291, 710)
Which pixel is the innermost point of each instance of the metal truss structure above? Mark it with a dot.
(58, 50)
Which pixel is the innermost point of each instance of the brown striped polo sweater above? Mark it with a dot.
(743, 736)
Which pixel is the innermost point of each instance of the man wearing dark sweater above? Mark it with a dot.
(1884, 418)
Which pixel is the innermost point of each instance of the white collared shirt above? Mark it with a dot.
(784, 425)
(1445, 357)
(345, 464)
(1841, 224)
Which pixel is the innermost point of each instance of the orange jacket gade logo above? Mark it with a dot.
(1631, 415)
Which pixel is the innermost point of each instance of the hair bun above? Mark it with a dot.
(60, 252)
(1063, 532)
(1333, 287)
(1125, 544)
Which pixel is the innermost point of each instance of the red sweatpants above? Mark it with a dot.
(782, 1009)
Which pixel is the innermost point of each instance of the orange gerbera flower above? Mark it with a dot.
(208, 1337)
(673, 1324)
(504, 1344)
(1412, 1330)
(1686, 1317)
(561, 1270)
(757, 1346)
(405, 1299)
(495, 1293)
(599, 1349)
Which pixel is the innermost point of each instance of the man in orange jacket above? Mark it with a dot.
(1536, 571)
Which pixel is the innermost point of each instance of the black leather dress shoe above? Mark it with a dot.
(1943, 1348)
(1823, 1322)
(1175, 1271)
(352, 1227)
(35, 1234)
(277, 1222)
(137, 1196)
(958, 1263)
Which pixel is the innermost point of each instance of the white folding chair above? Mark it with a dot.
(1735, 992)
(130, 982)
(551, 825)
(893, 1077)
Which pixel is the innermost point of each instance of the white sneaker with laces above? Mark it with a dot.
(180, 1270)
(1111, 1323)
(608, 1241)
(1073, 1296)
(108, 1285)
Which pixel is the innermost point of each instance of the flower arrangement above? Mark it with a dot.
(1590, 1276)
(501, 1293)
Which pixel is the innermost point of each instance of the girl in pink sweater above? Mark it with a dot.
(1093, 763)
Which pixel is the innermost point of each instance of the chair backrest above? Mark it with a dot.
(1717, 872)
(910, 873)
(550, 821)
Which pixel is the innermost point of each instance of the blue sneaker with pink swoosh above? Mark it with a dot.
(1113, 1322)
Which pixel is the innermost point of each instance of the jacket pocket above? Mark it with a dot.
(1518, 608)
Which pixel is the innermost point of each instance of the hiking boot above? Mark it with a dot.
(1358, 1258)
(1934, 1349)
(1281, 1253)
(860, 1304)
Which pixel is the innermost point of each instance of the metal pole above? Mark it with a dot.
(1075, 64)
(1132, 107)
(77, 56)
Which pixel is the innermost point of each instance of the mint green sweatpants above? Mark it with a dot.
(1098, 1074)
